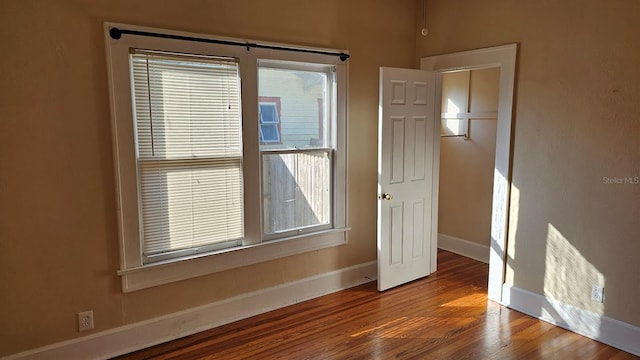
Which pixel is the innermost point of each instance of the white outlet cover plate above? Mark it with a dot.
(597, 293)
(85, 320)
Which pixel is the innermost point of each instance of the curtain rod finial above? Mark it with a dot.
(115, 33)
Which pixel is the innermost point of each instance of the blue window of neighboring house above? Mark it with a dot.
(269, 121)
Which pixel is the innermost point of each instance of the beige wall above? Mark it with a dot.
(58, 231)
(576, 121)
(466, 165)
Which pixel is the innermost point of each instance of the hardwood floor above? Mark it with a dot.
(444, 316)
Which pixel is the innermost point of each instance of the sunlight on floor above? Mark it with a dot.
(416, 327)
(473, 300)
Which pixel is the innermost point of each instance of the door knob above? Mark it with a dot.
(386, 196)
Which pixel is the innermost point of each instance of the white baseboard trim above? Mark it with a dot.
(607, 330)
(464, 247)
(128, 338)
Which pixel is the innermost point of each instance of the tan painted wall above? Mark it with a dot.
(58, 246)
(466, 166)
(576, 123)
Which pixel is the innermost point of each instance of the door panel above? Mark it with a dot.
(406, 142)
(418, 229)
(419, 147)
(397, 148)
(397, 239)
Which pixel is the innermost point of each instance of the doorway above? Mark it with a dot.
(467, 152)
(504, 58)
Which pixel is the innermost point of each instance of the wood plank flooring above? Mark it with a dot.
(444, 316)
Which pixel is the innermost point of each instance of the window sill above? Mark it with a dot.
(165, 272)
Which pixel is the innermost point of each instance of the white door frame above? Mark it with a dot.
(503, 57)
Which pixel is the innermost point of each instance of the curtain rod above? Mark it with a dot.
(117, 33)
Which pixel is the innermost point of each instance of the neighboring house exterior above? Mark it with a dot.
(298, 100)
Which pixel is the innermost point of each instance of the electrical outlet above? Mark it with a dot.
(597, 293)
(85, 320)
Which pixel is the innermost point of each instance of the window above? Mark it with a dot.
(189, 153)
(269, 123)
(296, 174)
(210, 173)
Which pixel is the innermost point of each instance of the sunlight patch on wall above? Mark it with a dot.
(457, 127)
(514, 211)
(567, 281)
(451, 124)
(568, 276)
(498, 236)
(452, 107)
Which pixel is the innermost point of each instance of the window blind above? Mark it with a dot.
(189, 152)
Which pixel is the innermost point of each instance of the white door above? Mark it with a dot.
(408, 150)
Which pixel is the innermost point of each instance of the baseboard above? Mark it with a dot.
(137, 336)
(464, 247)
(607, 330)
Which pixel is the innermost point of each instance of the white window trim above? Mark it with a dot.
(188, 267)
(137, 275)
